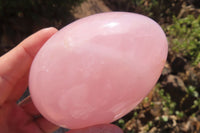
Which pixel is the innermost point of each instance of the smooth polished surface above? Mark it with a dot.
(97, 69)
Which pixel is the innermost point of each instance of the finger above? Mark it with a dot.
(29, 107)
(105, 128)
(45, 125)
(19, 89)
(17, 62)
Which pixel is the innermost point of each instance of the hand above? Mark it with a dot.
(14, 70)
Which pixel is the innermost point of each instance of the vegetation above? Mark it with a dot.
(167, 116)
(184, 35)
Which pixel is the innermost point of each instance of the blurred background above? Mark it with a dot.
(173, 105)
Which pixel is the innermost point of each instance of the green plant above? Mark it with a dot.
(150, 125)
(159, 9)
(164, 118)
(184, 35)
(179, 114)
(196, 103)
(193, 94)
(167, 103)
(192, 91)
(121, 123)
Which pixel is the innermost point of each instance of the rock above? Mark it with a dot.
(156, 109)
(178, 64)
(192, 125)
(89, 7)
(94, 76)
(171, 55)
(175, 86)
(183, 76)
(153, 130)
(193, 76)
(165, 72)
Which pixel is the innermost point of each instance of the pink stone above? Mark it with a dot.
(97, 69)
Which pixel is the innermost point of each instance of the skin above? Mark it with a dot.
(24, 117)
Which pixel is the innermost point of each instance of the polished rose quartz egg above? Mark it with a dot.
(97, 69)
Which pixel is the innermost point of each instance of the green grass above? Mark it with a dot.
(184, 37)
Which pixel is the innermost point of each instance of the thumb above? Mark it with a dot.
(104, 128)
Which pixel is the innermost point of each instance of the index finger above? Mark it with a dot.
(16, 63)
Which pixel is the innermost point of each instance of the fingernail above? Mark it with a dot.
(49, 28)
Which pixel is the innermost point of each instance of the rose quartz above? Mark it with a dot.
(97, 69)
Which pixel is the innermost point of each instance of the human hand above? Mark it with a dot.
(24, 117)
